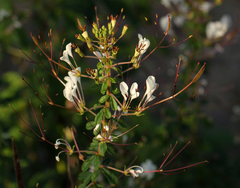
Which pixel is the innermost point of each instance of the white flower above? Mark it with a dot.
(68, 149)
(99, 55)
(151, 86)
(135, 173)
(71, 87)
(205, 6)
(124, 90)
(143, 44)
(218, 29)
(66, 54)
(133, 90)
(105, 133)
(148, 165)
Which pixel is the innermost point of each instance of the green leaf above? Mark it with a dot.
(94, 145)
(117, 70)
(102, 148)
(110, 150)
(100, 65)
(87, 163)
(96, 162)
(103, 99)
(113, 80)
(104, 87)
(112, 179)
(115, 91)
(107, 71)
(84, 175)
(95, 105)
(99, 186)
(108, 114)
(99, 117)
(113, 103)
(90, 125)
(95, 175)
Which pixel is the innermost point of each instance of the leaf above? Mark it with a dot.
(110, 150)
(104, 87)
(112, 179)
(84, 175)
(115, 91)
(90, 125)
(102, 148)
(103, 99)
(96, 162)
(117, 70)
(95, 175)
(94, 145)
(99, 117)
(113, 103)
(108, 114)
(113, 80)
(87, 163)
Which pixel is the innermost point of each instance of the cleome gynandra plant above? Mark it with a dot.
(111, 106)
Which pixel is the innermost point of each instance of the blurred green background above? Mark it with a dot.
(210, 120)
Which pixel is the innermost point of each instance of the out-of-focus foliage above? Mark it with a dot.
(160, 127)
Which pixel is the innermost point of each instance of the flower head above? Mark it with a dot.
(66, 54)
(133, 94)
(143, 44)
(133, 172)
(71, 87)
(68, 149)
(151, 86)
(105, 133)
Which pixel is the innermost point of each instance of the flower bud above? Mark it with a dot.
(125, 28)
(79, 37)
(79, 52)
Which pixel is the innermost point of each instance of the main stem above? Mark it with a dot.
(107, 103)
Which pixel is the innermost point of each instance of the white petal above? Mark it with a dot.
(69, 49)
(67, 92)
(140, 37)
(97, 127)
(74, 76)
(151, 86)
(57, 158)
(143, 44)
(65, 58)
(98, 54)
(124, 90)
(133, 91)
